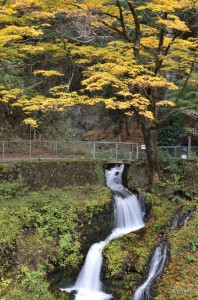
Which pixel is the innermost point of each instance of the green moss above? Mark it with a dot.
(48, 231)
(33, 285)
(8, 190)
(181, 273)
(2, 166)
(99, 170)
(53, 173)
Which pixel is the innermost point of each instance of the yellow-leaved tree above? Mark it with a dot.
(135, 56)
(143, 59)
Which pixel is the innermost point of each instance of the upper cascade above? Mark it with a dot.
(128, 217)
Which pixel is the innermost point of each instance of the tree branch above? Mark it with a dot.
(137, 28)
(160, 62)
(115, 29)
(187, 78)
(180, 93)
(121, 19)
(160, 45)
(34, 85)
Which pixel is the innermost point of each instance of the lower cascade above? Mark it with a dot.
(156, 267)
(157, 264)
(128, 217)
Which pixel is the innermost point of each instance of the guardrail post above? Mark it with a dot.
(130, 156)
(131, 150)
(56, 148)
(3, 150)
(175, 151)
(137, 152)
(94, 150)
(74, 151)
(189, 146)
(116, 150)
(30, 149)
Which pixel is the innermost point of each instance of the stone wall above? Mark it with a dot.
(58, 174)
(55, 174)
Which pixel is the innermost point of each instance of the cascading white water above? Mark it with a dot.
(156, 267)
(128, 217)
(175, 221)
(187, 218)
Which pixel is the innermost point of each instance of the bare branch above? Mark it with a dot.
(122, 22)
(137, 28)
(34, 85)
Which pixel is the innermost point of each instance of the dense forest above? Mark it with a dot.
(108, 70)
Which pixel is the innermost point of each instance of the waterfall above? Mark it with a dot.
(175, 220)
(128, 217)
(156, 267)
(157, 263)
(187, 217)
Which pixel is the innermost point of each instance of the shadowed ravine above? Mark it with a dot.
(128, 217)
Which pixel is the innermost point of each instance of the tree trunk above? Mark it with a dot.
(127, 126)
(149, 130)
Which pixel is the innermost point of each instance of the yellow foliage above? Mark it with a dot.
(8, 95)
(4, 39)
(6, 19)
(107, 65)
(167, 5)
(31, 122)
(59, 89)
(146, 81)
(150, 42)
(148, 114)
(7, 10)
(165, 102)
(32, 49)
(47, 73)
(42, 15)
(99, 80)
(175, 23)
(148, 30)
(22, 31)
(44, 104)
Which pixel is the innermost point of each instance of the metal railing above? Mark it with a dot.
(183, 152)
(39, 149)
(96, 150)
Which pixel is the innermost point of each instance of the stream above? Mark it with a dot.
(157, 263)
(128, 217)
(156, 267)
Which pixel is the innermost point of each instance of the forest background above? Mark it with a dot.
(69, 66)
